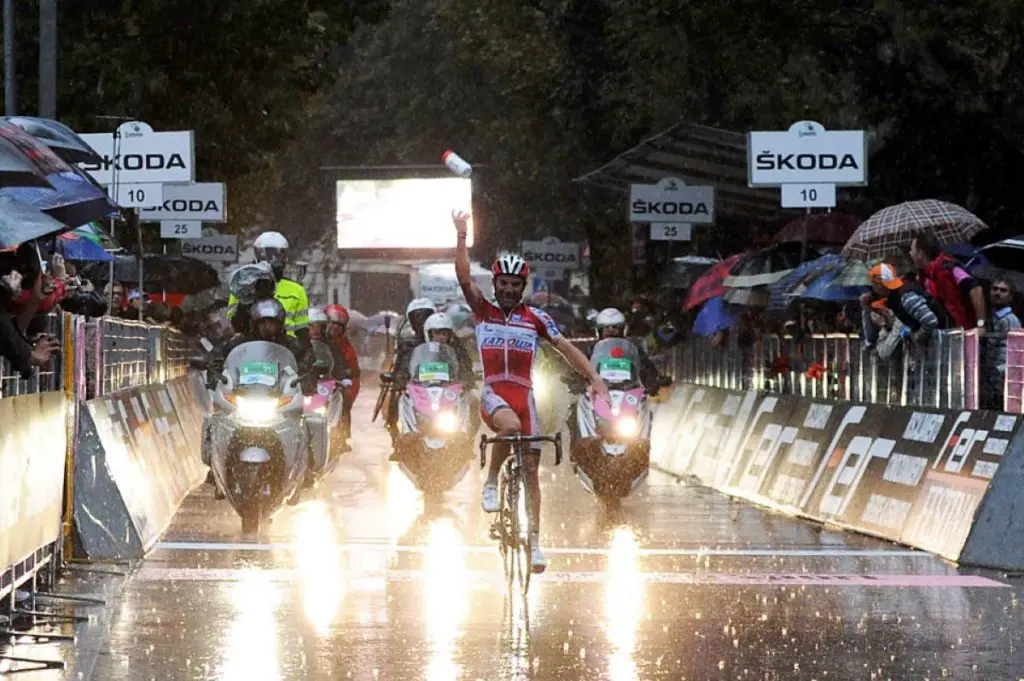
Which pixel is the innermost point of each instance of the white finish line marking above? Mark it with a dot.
(372, 579)
(822, 552)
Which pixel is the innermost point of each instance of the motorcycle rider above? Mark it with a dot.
(611, 323)
(268, 323)
(329, 325)
(416, 313)
(440, 328)
(507, 336)
(271, 248)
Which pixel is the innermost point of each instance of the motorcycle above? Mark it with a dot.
(323, 411)
(611, 450)
(258, 439)
(434, 421)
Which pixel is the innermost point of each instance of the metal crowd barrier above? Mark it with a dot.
(942, 374)
(98, 356)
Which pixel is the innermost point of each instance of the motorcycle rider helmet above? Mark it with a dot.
(337, 317)
(417, 311)
(610, 319)
(439, 322)
(268, 318)
(317, 322)
(271, 247)
(249, 283)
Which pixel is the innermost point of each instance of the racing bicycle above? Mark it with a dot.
(514, 503)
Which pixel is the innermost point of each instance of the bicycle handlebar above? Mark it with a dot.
(555, 439)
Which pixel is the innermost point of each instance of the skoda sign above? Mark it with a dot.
(671, 200)
(807, 154)
(552, 254)
(141, 156)
(204, 201)
(212, 248)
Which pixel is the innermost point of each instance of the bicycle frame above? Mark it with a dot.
(512, 545)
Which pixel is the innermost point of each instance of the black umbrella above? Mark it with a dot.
(74, 199)
(61, 139)
(681, 273)
(174, 274)
(18, 165)
(20, 223)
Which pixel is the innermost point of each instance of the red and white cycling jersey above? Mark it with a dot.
(508, 344)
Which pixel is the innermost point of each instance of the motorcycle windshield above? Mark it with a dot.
(322, 354)
(433, 364)
(259, 366)
(617, 361)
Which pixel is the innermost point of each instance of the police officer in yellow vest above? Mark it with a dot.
(271, 247)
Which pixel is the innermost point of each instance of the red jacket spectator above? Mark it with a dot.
(347, 351)
(950, 284)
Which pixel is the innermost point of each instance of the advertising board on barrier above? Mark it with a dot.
(32, 460)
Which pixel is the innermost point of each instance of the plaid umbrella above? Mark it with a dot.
(822, 228)
(895, 227)
(779, 296)
(710, 283)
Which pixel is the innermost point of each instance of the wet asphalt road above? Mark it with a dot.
(358, 582)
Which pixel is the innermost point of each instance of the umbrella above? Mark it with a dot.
(82, 243)
(1007, 253)
(60, 139)
(964, 253)
(756, 296)
(74, 200)
(377, 320)
(19, 162)
(682, 272)
(20, 223)
(709, 285)
(356, 318)
(779, 293)
(821, 228)
(765, 266)
(163, 272)
(545, 298)
(895, 227)
(713, 317)
(833, 286)
(988, 272)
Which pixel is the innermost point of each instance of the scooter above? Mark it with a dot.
(611, 447)
(257, 438)
(434, 438)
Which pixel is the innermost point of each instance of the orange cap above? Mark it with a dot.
(885, 274)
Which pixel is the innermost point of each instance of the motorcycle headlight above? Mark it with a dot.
(627, 426)
(256, 410)
(447, 422)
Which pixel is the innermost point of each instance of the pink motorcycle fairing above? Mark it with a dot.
(420, 394)
(629, 405)
(324, 390)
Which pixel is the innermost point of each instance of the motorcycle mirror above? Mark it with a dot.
(665, 381)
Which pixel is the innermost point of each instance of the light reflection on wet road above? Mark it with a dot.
(359, 582)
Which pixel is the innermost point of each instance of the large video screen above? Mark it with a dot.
(405, 214)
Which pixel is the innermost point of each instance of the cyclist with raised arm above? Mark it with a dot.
(507, 334)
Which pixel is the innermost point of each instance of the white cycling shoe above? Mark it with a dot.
(538, 563)
(490, 499)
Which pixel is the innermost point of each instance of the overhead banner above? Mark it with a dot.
(551, 254)
(212, 248)
(807, 154)
(672, 200)
(142, 156)
(202, 201)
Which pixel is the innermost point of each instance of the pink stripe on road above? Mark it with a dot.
(148, 573)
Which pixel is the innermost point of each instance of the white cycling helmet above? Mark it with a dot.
(419, 304)
(438, 321)
(317, 316)
(609, 317)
